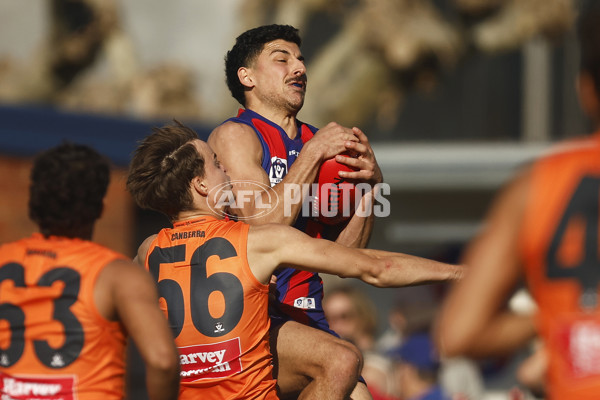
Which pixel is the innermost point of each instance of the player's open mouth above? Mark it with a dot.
(298, 84)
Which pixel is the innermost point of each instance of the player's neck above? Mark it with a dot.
(197, 213)
(284, 118)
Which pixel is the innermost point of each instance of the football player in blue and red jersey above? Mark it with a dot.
(266, 144)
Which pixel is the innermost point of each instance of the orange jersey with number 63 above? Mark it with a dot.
(54, 344)
(216, 307)
(561, 255)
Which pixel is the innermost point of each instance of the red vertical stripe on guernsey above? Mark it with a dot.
(275, 143)
(306, 133)
(298, 287)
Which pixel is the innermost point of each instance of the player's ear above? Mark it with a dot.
(245, 77)
(199, 186)
(588, 95)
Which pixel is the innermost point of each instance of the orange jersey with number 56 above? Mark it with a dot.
(561, 255)
(54, 344)
(216, 307)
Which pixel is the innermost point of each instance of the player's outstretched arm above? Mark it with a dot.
(474, 320)
(270, 246)
(126, 292)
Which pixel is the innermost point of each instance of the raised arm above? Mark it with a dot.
(238, 148)
(272, 245)
(474, 319)
(125, 292)
(357, 231)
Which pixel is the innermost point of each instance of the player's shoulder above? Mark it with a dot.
(232, 139)
(144, 248)
(232, 131)
(572, 148)
(121, 274)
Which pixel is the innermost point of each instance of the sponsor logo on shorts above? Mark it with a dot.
(209, 361)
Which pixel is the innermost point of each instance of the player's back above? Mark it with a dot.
(53, 341)
(560, 244)
(217, 309)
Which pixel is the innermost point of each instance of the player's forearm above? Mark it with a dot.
(162, 365)
(397, 270)
(285, 206)
(358, 230)
(162, 382)
(502, 335)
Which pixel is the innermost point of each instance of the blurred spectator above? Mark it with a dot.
(413, 312)
(416, 367)
(353, 316)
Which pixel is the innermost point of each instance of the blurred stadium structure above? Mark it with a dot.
(454, 94)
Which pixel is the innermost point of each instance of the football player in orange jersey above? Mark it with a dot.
(67, 304)
(543, 226)
(213, 273)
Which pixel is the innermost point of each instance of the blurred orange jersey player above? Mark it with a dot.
(543, 225)
(67, 304)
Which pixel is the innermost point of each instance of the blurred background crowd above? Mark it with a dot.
(453, 94)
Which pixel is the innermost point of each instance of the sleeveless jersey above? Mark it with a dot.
(54, 344)
(300, 293)
(217, 309)
(561, 256)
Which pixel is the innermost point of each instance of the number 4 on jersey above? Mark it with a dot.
(582, 208)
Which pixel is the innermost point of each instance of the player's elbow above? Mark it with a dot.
(375, 273)
(451, 343)
(163, 360)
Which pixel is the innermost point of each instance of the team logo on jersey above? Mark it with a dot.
(57, 361)
(305, 303)
(219, 327)
(278, 170)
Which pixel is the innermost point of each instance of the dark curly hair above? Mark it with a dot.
(588, 30)
(162, 168)
(247, 47)
(68, 184)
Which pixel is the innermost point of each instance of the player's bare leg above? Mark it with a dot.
(312, 364)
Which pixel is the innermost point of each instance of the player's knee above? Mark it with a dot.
(346, 361)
